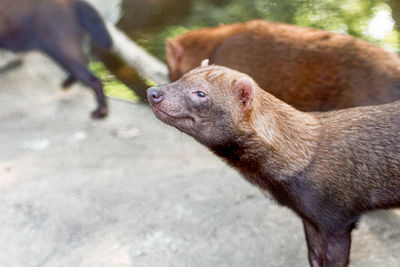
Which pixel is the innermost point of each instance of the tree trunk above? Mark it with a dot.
(136, 57)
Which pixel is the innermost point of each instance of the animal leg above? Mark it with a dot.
(73, 62)
(68, 81)
(89, 79)
(325, 248)
(314, 244)
(337, 248)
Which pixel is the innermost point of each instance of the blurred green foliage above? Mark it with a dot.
(344, 16)
(111, 86)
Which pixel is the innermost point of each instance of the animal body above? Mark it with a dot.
(310, 69)
(56, 27)
(328, 167)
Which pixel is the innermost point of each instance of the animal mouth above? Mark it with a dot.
(165, 115)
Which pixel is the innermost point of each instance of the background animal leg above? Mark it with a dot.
(68, 81)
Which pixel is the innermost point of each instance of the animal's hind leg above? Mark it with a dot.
(68, 81)
(73, 61)
(83, 74)
(80, 72)
(97, 86)
(15, 63)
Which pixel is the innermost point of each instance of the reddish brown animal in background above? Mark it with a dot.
(311, 69)
(329, 167)
(56, 27)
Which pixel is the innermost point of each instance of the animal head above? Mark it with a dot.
(206, 103)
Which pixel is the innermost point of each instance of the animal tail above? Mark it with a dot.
(92, 22)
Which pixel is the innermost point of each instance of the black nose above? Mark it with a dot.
(154, 95)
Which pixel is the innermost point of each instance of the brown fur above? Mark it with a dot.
(56, 28)
(328, 167)
(310, 69)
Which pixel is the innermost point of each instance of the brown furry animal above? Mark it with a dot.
(56, 28)
(310, 69)
(328, 167)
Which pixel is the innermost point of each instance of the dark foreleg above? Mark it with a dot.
(337, 248)
(314, 244)
(327, 248)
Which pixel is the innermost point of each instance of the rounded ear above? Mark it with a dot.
(245, 89)
(174, 48)
(174, 55)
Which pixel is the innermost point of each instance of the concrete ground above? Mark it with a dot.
(131, 191)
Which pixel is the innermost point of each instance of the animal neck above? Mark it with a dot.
(276, 143)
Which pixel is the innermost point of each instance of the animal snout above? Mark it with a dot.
(154, 95)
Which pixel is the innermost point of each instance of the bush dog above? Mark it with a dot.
(328, 167)
(310, 69)
(56, 28)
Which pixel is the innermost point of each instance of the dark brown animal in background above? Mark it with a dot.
(329, 167)
(56, 27)
(310, 69)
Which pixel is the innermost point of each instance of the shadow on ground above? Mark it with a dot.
(130, 191)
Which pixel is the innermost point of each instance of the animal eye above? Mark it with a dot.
(201, 94)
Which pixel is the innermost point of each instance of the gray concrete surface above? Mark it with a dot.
(131, 191)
